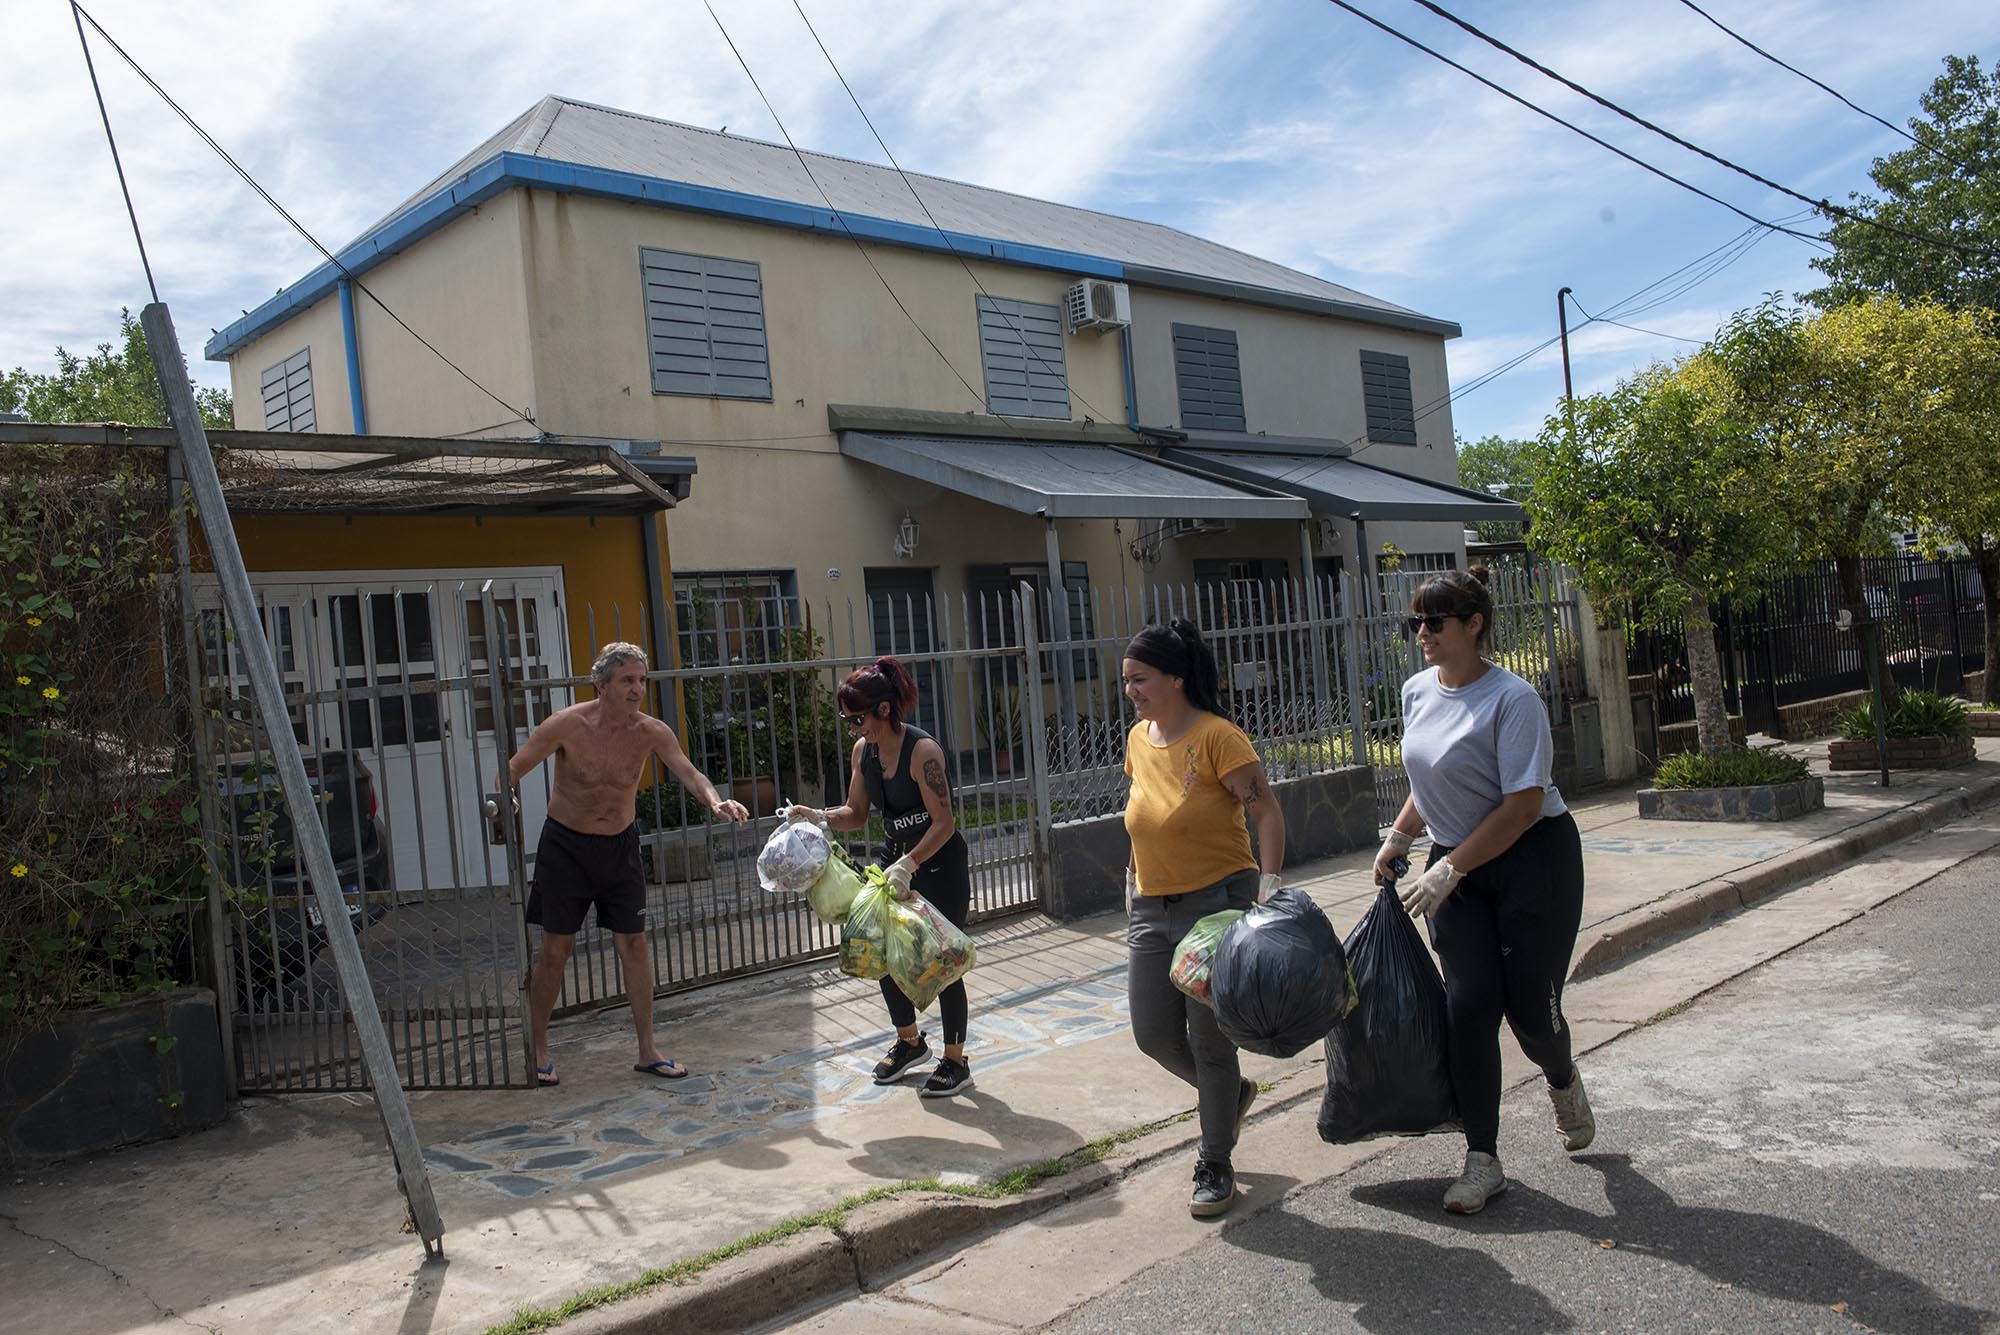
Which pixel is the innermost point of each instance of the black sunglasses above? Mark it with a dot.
(854, 720)
(1434, 622)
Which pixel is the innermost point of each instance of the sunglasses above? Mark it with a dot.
(1434, 622)
(854, 720)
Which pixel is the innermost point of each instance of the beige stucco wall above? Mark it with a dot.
(1302, 377)
(460, 287)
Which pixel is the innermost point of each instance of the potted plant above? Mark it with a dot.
(1923, 730)
(1000, 727)
(1732, 785)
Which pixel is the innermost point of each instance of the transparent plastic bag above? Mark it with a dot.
(926, 951)
(793, 857)
(832, 895)
(863, 935)
(1194, 957)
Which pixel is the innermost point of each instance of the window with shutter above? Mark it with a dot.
(990, 588)
(1210, 378)
(705, 325)
(1385, 388)
(288, 394)
(1021, 346)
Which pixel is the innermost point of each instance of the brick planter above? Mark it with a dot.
(1904, 753)
(1985, 722)
(1762, 801)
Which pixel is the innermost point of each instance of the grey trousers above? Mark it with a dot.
(1173, 1028)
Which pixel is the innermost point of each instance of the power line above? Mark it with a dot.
(943, 235)
(1824, 206)
(1655, 333)
(1664, 175)
(838, 216)
(1801, 73)
(298, 227)
(116, 162)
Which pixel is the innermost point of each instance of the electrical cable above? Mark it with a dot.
(1825, 206)
(116, 161)
(945, 236)
(1809, 237)
(265, 195)
(977, 396)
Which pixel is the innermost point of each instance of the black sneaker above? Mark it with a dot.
(1214, 1189)
(948, 1079)
(900, 1059)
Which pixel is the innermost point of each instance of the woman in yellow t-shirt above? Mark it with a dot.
(1196, 787)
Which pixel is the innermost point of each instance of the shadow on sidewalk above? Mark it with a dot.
(978, 1112)
(1757, 1253)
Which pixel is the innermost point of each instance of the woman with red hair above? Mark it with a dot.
(899, 769)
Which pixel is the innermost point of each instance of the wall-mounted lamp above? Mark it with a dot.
(907, 532)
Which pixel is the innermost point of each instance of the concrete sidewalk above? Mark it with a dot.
(286, 1218)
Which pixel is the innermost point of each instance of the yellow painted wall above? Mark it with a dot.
(603, 563)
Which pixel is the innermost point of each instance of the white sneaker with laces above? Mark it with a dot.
(1574, 1120)
(1481, 1181)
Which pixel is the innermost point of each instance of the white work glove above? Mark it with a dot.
(1428, 891)
(813, 814)
(1397, 845)
(1267, 885)
(899, 873)
(1131, 888)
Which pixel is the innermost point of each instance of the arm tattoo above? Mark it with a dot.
(1255, 792)
(934, 779)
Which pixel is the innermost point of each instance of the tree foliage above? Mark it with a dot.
(116, 383)
(1501, 467)
(1947, 185)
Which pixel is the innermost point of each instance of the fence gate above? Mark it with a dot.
(394, 706)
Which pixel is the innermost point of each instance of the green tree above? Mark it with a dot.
(116, 383)
(1654, 499)
(1500, 467)
(1947, 185)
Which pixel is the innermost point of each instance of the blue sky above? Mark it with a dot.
(1283, 127)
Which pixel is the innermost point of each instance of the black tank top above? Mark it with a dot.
(905, 819)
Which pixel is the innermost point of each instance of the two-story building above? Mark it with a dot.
(890, 385)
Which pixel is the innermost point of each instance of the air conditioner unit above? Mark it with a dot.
(1098, 303)
(1188, 528)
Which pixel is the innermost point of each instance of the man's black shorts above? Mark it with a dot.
(575, 870)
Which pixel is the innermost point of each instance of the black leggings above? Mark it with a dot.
(1505, 938)
(946, 881)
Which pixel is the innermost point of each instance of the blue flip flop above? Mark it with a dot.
(546, 1077)
(666, 1068)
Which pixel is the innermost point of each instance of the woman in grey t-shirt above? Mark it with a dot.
(1503, 889)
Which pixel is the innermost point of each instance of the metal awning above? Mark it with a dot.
(272, 472)
(1337, 485)
(1071, 480)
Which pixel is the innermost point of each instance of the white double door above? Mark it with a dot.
(404, 647)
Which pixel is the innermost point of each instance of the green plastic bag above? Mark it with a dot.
(1195, 955)
(832, 895)
(863, 946)
(927, 952)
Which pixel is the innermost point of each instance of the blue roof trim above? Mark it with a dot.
(504, 171)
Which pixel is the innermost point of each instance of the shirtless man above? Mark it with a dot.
(589, 851)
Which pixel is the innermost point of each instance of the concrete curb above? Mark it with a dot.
(880, 1242)
(1683, 911)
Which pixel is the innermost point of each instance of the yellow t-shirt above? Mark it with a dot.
(1187, 829)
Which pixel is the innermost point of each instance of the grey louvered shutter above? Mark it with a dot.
(1210, 377)
(1021, 345)
(1385, 388)
(288, 394)
(705, 325)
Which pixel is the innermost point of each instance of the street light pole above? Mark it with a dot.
(1562, 326)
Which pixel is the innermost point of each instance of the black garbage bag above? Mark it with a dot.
(1386, 1068)
(1280, 979)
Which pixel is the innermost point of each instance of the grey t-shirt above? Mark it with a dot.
(1467, 747)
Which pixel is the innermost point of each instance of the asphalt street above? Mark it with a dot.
(1814, 1147)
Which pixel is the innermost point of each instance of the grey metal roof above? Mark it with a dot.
(1347, 488)
(1067, 481)
(563, 129)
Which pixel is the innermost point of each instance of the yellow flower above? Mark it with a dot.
(34, 621)
(117, 838)
(50, 692)
(24, 681)
(19, 869)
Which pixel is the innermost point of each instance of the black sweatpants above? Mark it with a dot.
(946, 881)
(1505, 937)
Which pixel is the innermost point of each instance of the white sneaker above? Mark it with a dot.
(1481, 1181)
(1574, 1120)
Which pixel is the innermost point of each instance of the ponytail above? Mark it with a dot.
(884, 680)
